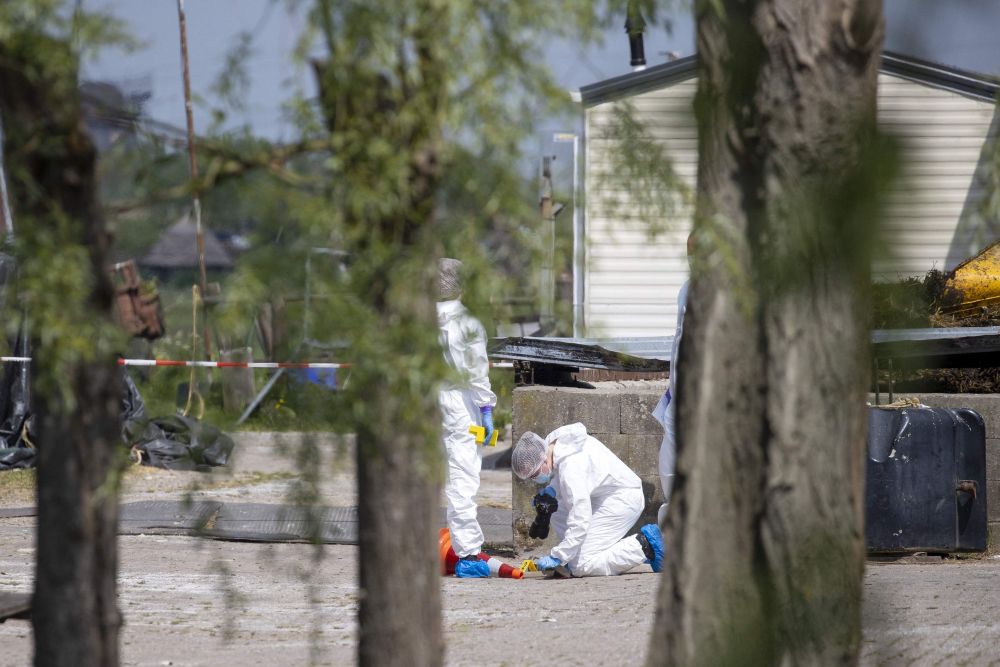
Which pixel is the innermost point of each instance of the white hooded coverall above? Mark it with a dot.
(463, 340)
(600, 499)
(665, 412)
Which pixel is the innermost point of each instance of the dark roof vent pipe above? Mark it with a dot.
(634, 26)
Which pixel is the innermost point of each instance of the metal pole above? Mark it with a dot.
(892, 397)
(8, 219)
(875, 377)
(193, 166)
(546, 208)
(566, 137)
(577, 245)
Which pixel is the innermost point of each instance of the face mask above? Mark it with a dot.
(542, 478)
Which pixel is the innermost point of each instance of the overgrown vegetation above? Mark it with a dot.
(927, 303)
(908, 304)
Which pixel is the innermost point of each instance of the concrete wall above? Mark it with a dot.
(616, 413)
(987, 405)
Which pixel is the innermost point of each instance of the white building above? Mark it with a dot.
(945, 118)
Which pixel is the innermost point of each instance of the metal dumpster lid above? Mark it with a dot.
(955, 347)
(640, 355)
(937, 347)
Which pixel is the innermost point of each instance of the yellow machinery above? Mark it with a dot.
(974, 284)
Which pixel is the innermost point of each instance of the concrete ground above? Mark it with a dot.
(188, 601)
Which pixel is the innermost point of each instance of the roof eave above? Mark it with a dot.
(635, 83)
(970, 84)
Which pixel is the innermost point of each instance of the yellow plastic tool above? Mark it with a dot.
(480, 433)
(528, 565)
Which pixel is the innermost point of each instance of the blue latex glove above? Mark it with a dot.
(487, 412)
(549, 491)
(547, 563)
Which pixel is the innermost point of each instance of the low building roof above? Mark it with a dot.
(177, 248)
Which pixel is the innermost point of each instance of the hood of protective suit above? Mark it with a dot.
(569, 439)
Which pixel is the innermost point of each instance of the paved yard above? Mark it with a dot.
(199, 602)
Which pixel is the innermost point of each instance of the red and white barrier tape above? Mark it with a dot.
(227, 364)
(208, 364)
(230, 364)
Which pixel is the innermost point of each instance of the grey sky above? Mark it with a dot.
(213, 26)
(960, 33)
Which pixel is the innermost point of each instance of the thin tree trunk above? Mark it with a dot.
(400, 611)
(75, 614)
(399, 454)
(765, 536)
(53, 186)
(399, 462)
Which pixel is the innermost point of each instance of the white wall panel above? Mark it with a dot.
(932, 218)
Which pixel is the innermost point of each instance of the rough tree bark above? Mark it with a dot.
(765, 536)
(52, 166)
(399, 457)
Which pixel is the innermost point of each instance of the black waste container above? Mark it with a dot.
(926, 480)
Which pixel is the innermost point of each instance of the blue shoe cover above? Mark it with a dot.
(472, 569)
(652, 533)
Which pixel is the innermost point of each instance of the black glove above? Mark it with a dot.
(545, 505)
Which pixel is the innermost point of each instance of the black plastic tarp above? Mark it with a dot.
(175, 441)
(16, 448)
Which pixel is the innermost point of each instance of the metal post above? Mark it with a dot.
(547, 278)
(8, 219)
(567, 137)
(892, 398)
(875, 377)
(193, 166)
(577, 245)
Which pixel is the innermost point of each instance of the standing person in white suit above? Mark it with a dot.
(665, 411)
(467, 400)
(599, 499)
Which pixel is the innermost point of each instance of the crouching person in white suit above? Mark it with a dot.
(599, 499)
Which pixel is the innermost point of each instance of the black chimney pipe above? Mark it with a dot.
(634, 26)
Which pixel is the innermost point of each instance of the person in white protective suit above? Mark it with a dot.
(465, 401)
(599, 499)
(665, 411)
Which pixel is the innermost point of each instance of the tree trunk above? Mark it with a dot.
(75, 614)
(400, 458)
(400, 579)
(53, 186)
(765, 534)
(389, 218)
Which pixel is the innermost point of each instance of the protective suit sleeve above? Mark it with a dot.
(678, 334)
(574, 490)
(682, 297)
(477, 364)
